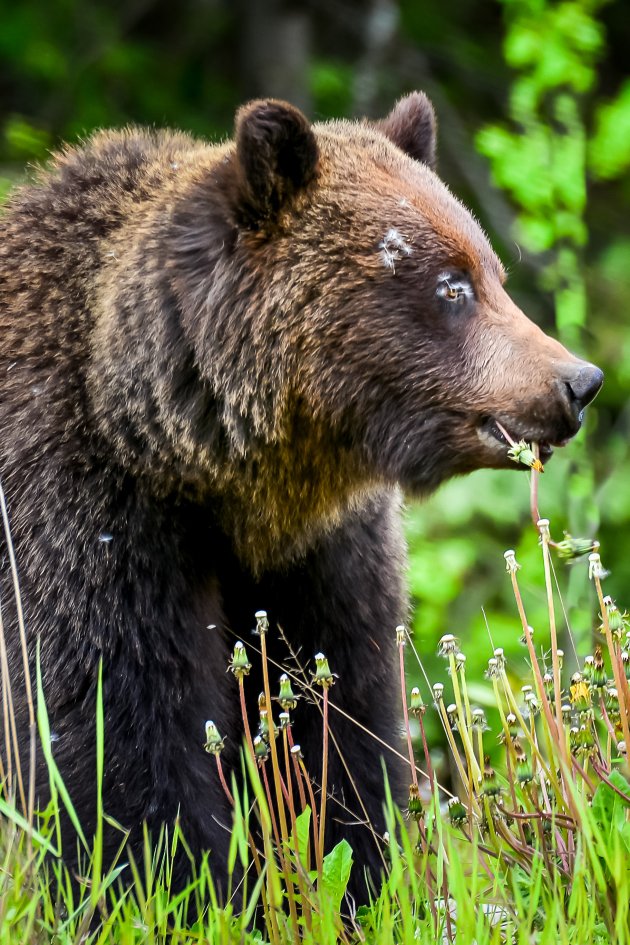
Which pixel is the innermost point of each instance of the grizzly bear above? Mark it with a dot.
(220, 366)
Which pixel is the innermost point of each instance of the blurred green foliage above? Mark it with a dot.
(533, 95)
(541, 159)
(609, 148)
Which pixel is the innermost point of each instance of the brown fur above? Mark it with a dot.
(218, 366)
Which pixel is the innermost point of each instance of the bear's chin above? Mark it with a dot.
(483, 450)
(496, 440)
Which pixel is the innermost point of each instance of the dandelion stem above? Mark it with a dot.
(543, 527)
(609, 726)
(322, 816)
(272, 813)
(277, 777)
(226, 789)
(465, 779)
(621, 682)
(248, 733)
(309, 788)
(401, 659)
(427, 757)
(533, 488)
(473, 767)
(298, 776)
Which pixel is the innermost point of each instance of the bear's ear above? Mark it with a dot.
(411, 126)
(277, 156)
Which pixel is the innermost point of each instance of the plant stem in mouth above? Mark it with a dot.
(533, 495)
(504, 433)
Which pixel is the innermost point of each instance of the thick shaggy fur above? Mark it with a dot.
(217, 366)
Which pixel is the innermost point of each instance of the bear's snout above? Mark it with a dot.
(550, 418)
(584, 386)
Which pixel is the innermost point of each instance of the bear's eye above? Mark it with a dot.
(454, 287)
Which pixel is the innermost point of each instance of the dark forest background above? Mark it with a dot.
(533, 103)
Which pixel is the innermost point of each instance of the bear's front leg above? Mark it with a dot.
(345, 599)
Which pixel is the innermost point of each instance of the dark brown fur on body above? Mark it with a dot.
(218, 364)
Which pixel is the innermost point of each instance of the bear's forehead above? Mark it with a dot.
(397, 194)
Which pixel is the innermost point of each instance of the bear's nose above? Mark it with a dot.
(585, 385)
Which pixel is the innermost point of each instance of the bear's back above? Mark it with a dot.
(54, 235)
(83, 196)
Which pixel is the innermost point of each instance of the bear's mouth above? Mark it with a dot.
(500, 436)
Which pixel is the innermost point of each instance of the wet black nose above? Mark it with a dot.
(585, 386)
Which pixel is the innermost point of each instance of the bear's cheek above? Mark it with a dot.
(519, 387)
(439, 388)
(422, 431)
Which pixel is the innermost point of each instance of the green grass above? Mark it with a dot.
(507, 903)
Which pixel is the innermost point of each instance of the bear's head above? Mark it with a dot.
(348, 319)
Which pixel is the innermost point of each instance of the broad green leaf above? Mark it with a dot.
(302, 828)
(336, 872)
(609, 808)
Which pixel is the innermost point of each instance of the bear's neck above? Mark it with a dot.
(277, 500)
